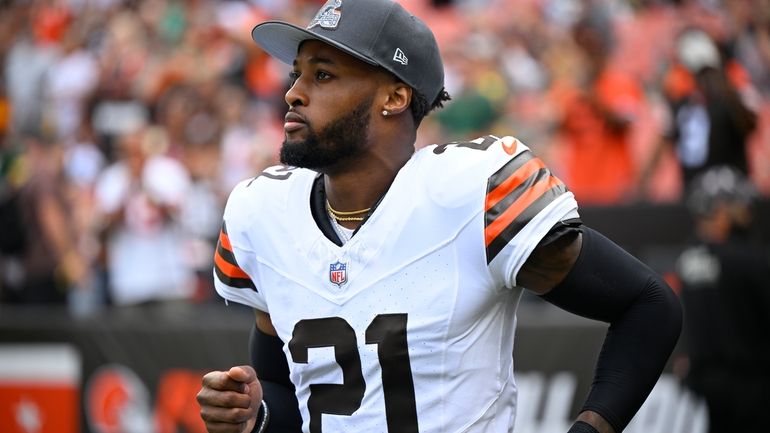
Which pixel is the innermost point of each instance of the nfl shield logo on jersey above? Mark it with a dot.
(338, 273)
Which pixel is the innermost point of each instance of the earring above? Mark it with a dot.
(385, 112)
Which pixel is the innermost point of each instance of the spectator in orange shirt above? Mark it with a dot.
(597, 119)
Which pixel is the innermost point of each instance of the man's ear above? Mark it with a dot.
(398, 99)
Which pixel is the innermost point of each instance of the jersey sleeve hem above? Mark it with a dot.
(560, 209)
(241, 296)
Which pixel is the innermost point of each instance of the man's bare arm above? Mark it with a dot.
(549, 264)
(264, 323)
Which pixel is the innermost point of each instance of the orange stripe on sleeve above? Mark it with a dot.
(515, 179)
(518, 206)
(228, 268)
(224, 240)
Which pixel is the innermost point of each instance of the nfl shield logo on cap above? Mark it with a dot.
(328, 16)
(338, 273)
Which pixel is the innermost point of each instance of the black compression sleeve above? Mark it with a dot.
(269, 361)
(608, 284)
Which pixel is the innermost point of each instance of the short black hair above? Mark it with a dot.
(420, 106)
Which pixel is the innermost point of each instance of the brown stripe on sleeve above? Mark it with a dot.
(226, 267)
(499, 182)
(511, 185)
(509, 215)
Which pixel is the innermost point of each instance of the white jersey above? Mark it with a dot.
(409, 326)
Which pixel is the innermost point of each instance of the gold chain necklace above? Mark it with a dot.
(346, 216)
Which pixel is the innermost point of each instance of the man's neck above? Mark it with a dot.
(361, 185)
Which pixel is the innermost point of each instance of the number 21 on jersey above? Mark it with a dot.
(388, 332)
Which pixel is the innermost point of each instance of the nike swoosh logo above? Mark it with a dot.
(509, 145)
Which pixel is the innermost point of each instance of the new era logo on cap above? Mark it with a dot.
(400, 57)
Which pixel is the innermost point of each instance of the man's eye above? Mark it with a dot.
(293, 76)
(321, 75)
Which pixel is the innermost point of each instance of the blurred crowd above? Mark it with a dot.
(125, 123)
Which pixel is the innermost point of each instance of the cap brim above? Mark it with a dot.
(281, 40)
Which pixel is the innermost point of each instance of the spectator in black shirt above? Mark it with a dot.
(725, 279)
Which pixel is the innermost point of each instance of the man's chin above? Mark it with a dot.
(315, 162)
(293, 143)
(296, 153)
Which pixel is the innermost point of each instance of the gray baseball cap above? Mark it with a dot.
(379, 32)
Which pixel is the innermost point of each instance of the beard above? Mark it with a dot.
(343, 139)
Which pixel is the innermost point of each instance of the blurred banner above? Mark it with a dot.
(138, 370)
(39, 388)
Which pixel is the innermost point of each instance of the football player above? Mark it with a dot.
(386, 281)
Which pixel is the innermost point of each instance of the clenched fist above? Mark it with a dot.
(230, 400)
